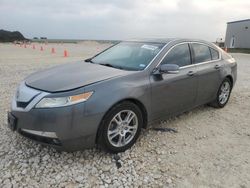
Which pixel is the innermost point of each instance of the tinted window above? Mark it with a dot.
(214, 54)
(179, 55)
(201, 53)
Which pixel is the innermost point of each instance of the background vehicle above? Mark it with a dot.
(108, 99)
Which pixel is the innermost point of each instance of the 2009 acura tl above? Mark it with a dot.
(107, 100)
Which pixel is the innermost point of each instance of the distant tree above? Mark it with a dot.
(9, 36)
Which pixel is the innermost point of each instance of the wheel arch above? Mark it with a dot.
(230, 78)
(134, 101)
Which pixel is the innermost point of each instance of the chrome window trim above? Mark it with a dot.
(202, 63)
(191, 65)
(159, 54)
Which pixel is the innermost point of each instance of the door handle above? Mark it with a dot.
(190, 73)
(217, 66)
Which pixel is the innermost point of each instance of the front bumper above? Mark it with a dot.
(65, 128)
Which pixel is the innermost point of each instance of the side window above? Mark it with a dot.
(201, 53)
(214, 54)
(179, 55)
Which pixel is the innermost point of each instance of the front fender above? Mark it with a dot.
(110, 92)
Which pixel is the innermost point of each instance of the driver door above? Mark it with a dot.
(174, 92)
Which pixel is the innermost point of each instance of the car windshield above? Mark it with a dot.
(128, 55)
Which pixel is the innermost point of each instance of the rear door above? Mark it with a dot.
(207, 60)
(173, 93)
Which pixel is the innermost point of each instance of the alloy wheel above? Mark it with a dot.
(122, 128)
(224, 92)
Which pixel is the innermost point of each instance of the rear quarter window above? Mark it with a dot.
(214, 53)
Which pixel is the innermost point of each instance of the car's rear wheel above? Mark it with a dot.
(120, 127)
(223, 94)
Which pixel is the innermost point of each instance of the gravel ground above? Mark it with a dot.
(211, 147)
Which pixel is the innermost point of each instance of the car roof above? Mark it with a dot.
(153, 40)
(173, 41)
(167, 40)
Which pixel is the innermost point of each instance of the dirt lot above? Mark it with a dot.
(210, 149)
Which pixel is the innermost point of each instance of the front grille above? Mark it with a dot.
(25, 95)
(22, 104)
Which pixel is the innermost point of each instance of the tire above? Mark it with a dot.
(115, 133)
(220, 102)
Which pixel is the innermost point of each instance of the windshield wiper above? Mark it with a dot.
(110, 65)
(89, 60)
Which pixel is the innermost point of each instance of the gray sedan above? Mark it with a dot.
(106, 100)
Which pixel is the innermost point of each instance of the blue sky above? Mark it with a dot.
(121, 19)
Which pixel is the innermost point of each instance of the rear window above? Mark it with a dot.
(214, 54)
(201, 53)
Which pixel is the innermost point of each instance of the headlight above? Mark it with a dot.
(63, 101)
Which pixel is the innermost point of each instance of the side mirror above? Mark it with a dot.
(169, 68)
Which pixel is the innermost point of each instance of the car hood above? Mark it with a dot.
(71, 76)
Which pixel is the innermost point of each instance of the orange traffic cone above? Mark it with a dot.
(65, 53)
(41, 49)
(53, 50)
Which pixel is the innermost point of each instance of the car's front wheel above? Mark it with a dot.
(223, 94)
(120, 127)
